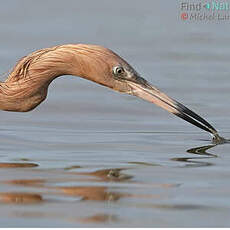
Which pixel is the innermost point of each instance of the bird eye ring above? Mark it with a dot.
(118, 70)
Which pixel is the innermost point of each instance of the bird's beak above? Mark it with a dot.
(141, 88)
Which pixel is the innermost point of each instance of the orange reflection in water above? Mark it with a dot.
(109, 175)
(99, 218)
(17, 165)
(27, 182)
(19, 198)
(92, 193)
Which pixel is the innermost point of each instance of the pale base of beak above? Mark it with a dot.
(153, 96)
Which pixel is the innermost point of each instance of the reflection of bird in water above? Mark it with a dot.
(92, 193)
(26, 86)
(192, 161)
(202, 150)
(20, 197)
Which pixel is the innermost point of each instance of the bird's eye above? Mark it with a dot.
(118, 70)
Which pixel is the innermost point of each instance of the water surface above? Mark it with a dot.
(89, 156)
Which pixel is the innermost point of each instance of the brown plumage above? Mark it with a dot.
(26, 86)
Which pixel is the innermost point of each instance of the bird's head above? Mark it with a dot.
(105, 67)
(109, 69)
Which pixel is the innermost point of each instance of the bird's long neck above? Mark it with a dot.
(27, 84)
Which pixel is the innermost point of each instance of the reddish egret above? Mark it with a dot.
(26, 86)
